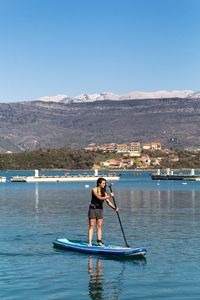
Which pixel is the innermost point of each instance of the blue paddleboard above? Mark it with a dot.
(79, 246)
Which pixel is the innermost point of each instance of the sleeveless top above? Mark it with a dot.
(95, 202)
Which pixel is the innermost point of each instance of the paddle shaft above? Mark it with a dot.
(119, 218)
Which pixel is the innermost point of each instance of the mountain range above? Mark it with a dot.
(130, 96)
(53, 124)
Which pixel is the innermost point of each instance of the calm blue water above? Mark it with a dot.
(163, 217)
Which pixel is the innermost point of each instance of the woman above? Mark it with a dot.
(95, 213)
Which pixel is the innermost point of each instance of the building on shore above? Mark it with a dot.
(152, 146)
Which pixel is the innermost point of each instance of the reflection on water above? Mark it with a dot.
(100, 284)
(36, 196)
(95, 284)
(136, 199)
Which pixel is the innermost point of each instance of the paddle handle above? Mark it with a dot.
(110, 186)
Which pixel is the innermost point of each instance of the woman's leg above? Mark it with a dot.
(90, 231)
(99, 229)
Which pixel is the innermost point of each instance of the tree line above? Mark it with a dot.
(64, 158)
(70, 158)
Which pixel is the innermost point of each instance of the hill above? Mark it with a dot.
(38, 124)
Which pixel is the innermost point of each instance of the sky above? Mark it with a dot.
(51, 47)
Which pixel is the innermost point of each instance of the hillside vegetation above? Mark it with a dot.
(34, 125)
(68, 158)
(47, 159)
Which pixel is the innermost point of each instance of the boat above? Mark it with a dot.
(65, 178)
(2, 179)
(80, 246)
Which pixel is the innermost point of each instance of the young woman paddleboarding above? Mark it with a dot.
(95, 213)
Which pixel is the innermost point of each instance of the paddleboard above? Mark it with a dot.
(80, 246)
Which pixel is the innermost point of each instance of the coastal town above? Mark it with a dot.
(131, 155)
(151, 155)
(128, 155)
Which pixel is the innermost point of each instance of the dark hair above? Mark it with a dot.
(99, 180)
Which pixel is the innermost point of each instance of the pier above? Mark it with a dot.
(170, 175)
(65, 178)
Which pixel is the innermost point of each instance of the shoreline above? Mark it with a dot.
(103, 170)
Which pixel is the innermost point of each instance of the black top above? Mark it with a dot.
(95, 202)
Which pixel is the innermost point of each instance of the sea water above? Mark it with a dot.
(163, 217)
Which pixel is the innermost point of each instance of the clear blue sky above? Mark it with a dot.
(51, 47)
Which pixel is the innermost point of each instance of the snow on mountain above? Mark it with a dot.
(130, 96)
(95, 97)
(157, 94)
(57, 98)
(110, 96)
(195, 95)
(86, 98)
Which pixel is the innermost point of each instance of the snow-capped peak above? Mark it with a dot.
(86, 98)
(195, 95)
(157, 94)
(129, 96)
(57, 98)
(96, 97)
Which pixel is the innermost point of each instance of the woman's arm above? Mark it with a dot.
(111, 204)
(95, 192)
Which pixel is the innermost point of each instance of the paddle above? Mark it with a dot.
(110, 186)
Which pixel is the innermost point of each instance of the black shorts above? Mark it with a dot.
(95, 213)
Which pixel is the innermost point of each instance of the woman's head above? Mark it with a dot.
(101, 182)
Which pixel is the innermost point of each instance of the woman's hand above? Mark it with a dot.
(112, 194)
